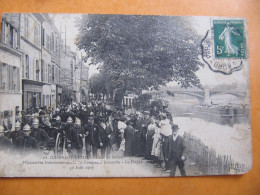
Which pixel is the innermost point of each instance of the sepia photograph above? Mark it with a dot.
(94, 95)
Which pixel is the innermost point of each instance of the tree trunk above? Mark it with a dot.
(119, 95)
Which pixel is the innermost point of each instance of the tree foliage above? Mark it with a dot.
(141, 52)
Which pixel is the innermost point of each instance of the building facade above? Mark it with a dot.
(70, 76)
(40, 45)
(32, 63)
(51, 45)
(77, 78)
(30, 29)
(84, 83)
(10, 71)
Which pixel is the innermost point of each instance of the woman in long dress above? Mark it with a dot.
(156, 147)
(128, 135)
(149, 139)
(122, 126)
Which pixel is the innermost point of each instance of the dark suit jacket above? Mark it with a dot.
(103, 135)
(92, 137)
(26, 143)
(180, 144)
(75, 138)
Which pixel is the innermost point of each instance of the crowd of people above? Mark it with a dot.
(86, 128)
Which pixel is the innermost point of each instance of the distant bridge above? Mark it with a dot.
(205, 95)
(240, 94)
(208, 93)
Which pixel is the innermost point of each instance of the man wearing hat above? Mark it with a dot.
(39, 134)
(168, 114)
(25, 118)
(137, 141)
(145, 123)
(104, 134)
(67, 127)
(175, 147)
(26, 143)
(91, 140)
(166, 131)
(83, 115)
(5, 143)
(57, 125)
(16, 133)
(75, 139)
(56, 113)
(68, 124)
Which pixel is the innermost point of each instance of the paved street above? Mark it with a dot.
(150, 169)
(190, 167)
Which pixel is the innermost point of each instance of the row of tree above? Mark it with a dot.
(136, 53)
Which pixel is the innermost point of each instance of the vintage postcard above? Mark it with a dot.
(85, 95)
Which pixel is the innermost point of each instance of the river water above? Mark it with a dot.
(232, 140)
(225, 129)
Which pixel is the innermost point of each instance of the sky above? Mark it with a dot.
(201, 26)
(66, 23)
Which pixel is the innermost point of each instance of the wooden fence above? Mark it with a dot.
(208, 161)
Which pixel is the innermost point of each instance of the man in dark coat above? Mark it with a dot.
(5, 143)
(16, 133)
(91, 140)
(26, 143)
(39, 134)
(111, 139)
(83, 115)
(137, 136)
(175, 146)
(67, 127)
(145, 124)
(75, 138)
(128, 135)
(104, 134)
(116, 117)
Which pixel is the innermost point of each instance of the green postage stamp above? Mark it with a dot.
(229, 39)
(224, 47)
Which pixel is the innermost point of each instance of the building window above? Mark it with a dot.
(16, 79)
(56, 44)
(37, 34)
(3, 76)
(3, 24)
(56, 75)
(43, 100)
(27, 64)
(9, 78)
(9, 35)
(37, 71)
(52, 41)
(59, 77)
(26, 27)
(42, 70)
(48, 42)
(43, 37)
(49, 73)
(53, 73)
